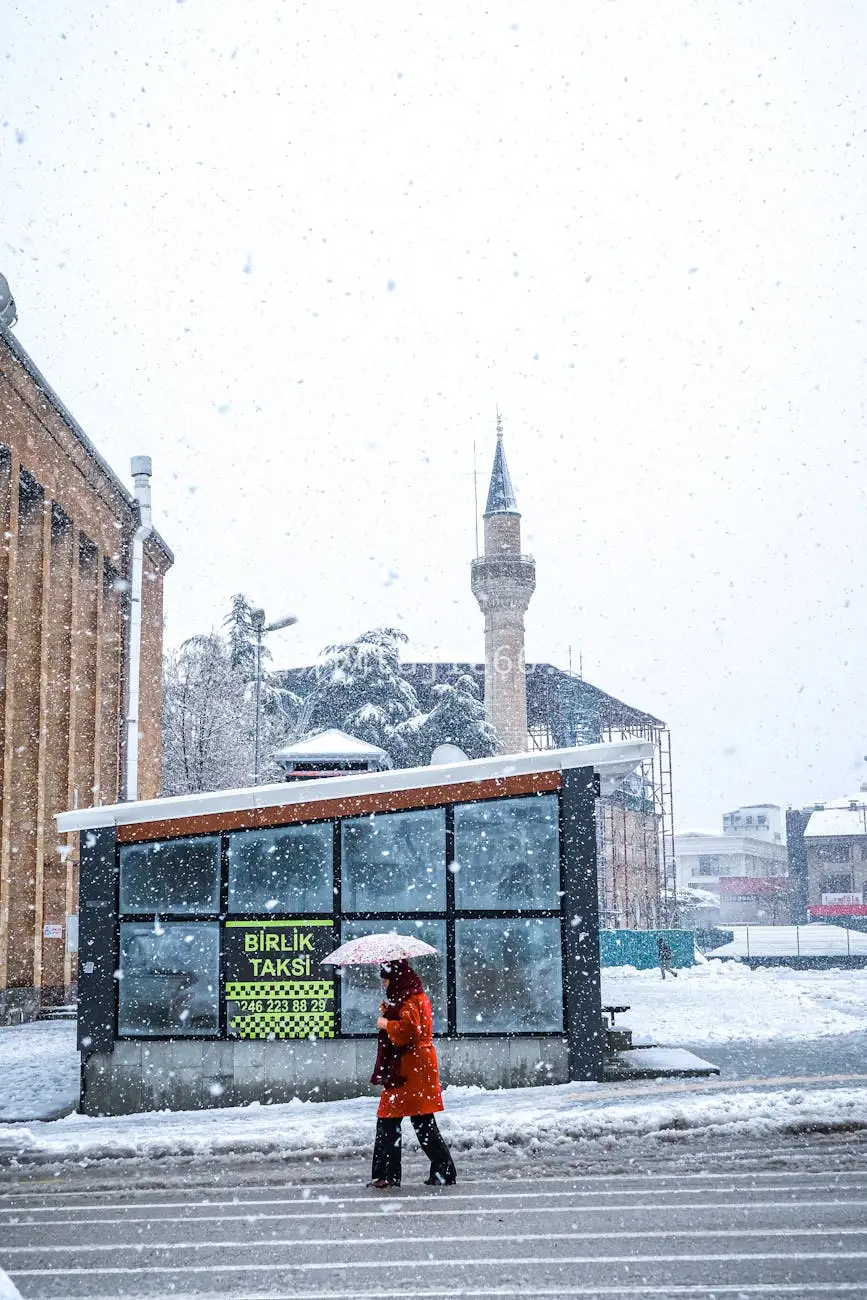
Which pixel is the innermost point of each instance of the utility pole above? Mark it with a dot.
(257, 618)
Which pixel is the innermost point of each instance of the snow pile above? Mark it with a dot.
(714, 1002)
(724, 1001)
(533, 1121)
(7, 1290)
(39, 1070)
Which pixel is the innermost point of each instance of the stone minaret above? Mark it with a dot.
(503, 581)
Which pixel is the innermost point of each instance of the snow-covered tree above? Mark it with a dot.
(457, 718)
(210, 705)
(359, 688)
(280, 706)
(281, 715)
(241, 636)
(207, 720)
(696, 907)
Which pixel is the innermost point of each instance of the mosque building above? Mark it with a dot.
(538, 706)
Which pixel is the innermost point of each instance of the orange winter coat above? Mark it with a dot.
(412, 1031)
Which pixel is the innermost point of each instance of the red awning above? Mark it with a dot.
(838, 909)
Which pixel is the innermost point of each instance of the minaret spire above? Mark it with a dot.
(503, 580)
(501, 494)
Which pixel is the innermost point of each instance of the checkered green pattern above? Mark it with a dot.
(284, 1024)
(261, 989)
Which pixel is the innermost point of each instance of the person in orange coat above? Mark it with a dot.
(406, 1066)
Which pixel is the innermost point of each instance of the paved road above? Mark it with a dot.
(840, 1055)
(785, 1219)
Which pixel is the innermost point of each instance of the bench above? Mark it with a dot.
(616, 1040)
(609, 1012)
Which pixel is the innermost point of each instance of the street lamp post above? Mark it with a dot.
(257, 618)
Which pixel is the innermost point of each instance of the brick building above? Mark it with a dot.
(75, 549)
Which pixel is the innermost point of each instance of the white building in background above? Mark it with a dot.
(746, 867)
(703, 858)
(758, 821)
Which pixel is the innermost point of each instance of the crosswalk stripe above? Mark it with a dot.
(428, 1211)
(498, 1261)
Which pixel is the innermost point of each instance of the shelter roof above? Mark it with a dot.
(332, 745)
(613, 762)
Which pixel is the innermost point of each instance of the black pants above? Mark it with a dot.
(386, 1149)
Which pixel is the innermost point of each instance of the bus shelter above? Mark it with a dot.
(204, 920)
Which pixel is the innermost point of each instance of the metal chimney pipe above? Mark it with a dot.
(141, 472)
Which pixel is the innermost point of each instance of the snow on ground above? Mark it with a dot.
(725, 1001)
(532, 1121)
(713, 1002)
(7, 1290)
(39, 1071)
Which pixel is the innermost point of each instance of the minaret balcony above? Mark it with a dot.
(503, 566)
(503, 580)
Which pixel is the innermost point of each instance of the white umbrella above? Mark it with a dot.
(374, 949)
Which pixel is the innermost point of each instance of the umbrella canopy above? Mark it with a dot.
(374, 949)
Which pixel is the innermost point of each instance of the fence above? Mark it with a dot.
(640, 948)
(814, 940)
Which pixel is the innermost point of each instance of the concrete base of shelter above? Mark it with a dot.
(189, 1075)
(652, 1062)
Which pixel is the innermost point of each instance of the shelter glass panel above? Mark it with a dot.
(394, 862)
(288, 869)
(174, 876)
(507, 854)
(169, 978)
(361, 989)
(509, 976)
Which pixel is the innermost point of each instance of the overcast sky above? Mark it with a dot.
(298, 253)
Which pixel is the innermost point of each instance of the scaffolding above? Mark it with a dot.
(636, 824)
